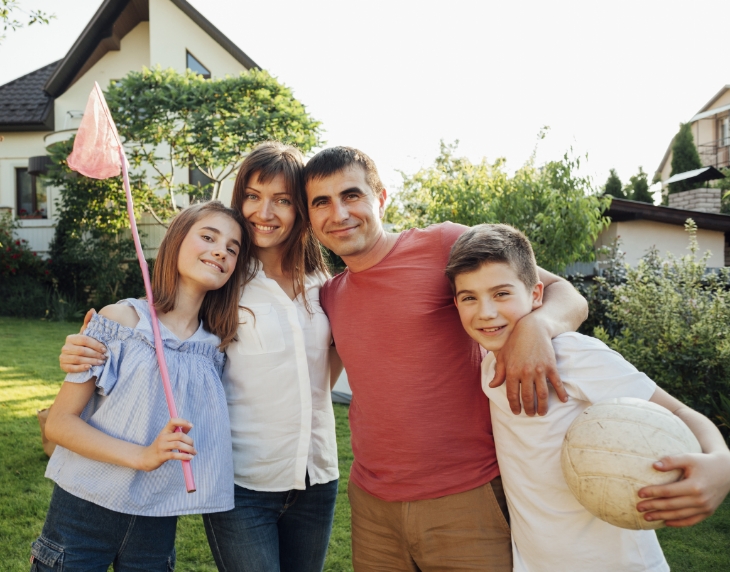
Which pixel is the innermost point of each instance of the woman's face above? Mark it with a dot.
(269, 207)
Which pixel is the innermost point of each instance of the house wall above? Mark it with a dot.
(638, 236)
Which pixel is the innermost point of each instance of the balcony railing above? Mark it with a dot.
(715, 153)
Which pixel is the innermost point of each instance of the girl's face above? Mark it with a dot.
(269, 208)
(209, 252)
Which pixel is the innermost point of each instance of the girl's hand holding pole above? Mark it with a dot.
(168, 445)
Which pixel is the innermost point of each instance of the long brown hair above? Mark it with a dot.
(302, 253)
(219, 310)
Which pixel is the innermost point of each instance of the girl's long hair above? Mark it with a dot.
(302, 253)
(219, 310)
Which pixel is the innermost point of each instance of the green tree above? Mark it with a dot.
(684, 158)
(551, 204)
(638, 188)
(613, 186)
(168, 122)
(8, 11)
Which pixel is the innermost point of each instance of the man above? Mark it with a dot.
(424, 488)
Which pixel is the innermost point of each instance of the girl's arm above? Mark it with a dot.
(706, 480)
(65, 427)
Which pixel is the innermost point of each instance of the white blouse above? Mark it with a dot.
(277, 382)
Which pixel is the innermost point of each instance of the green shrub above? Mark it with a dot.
(674, 325)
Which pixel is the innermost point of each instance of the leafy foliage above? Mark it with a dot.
(552, 205)
(684, 157)
(638, 188)
(674, 322)
(10, 8)
(613, 186)
(173, 121)
(168, 122)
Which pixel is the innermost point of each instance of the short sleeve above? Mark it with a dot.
(324, 295)
(593, 372)
(450, 232)
(113, 336)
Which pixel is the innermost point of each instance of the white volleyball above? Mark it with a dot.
(608, 453)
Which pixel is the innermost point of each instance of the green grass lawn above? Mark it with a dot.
(29, 380)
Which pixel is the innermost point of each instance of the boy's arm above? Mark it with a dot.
(65, 427)
(706, 480)
(527, 359)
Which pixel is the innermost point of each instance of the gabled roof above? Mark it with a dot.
(699, 115)
(624, 209)
(26, 103)
(24, 106)
(115, 19)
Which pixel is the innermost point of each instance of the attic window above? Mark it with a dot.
(195, 66)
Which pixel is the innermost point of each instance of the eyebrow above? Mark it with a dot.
(343, 192)
(287, 193)
(492, 289)
(216, 231)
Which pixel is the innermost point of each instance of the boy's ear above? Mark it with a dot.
(537, 295)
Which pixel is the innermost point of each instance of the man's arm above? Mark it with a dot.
(527, 360)
(706, 480)
(335, 366)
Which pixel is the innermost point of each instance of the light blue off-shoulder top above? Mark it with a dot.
(129, 404)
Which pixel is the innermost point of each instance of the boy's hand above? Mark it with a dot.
(80, 352)
(705, 485)
(526, 362)
(163, 448)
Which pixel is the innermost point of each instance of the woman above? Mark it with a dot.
(277, 379)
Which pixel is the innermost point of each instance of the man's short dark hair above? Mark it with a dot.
(485, 243)
(336, 159)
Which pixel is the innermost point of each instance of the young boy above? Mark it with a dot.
(493, 271)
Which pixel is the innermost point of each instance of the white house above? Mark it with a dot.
(46, 105)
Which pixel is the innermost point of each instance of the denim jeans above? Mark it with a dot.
(273, 531)
(79, 535)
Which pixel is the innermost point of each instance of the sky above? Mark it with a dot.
(612, 80)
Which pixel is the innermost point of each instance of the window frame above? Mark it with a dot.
(36, 212)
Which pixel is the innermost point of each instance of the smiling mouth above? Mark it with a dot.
(492, 330)
(264, 228)
(212, 265)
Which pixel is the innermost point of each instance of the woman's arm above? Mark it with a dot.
(527, 359)
(706, 480)
(336, 366)
(66, 428)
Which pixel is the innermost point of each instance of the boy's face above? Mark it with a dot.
(491, 300)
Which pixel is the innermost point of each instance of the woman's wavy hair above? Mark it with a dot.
(302, 253)
(219, 311)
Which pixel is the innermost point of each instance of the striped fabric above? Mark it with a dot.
(129, 404)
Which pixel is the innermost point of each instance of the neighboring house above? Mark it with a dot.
(46, 105)
(711, 131)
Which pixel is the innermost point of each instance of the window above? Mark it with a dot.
(195, 66)
(30, 193)
(203, 184)
(725, 132)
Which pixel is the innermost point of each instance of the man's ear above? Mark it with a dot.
(537, 292)
(381, 199)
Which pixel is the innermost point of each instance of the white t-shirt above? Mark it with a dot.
(550, 529)
(277, 382)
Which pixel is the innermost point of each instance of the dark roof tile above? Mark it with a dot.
(23, 103)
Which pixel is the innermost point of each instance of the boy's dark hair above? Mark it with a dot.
(336, 159)
(486, 243)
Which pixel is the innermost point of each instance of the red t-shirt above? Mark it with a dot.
(420, 422)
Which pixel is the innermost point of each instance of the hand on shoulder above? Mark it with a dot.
(121, 314)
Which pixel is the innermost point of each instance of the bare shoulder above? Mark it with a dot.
(124, 315)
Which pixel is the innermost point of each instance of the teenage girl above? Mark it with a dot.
(116, 499)
(277, 379)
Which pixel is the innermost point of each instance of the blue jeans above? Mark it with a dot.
(80, 536)
(273, 531)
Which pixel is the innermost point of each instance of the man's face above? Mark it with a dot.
(345, 213)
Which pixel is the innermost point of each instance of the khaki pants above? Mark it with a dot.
(464, 531)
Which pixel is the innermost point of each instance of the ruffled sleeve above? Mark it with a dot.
(112, 335)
